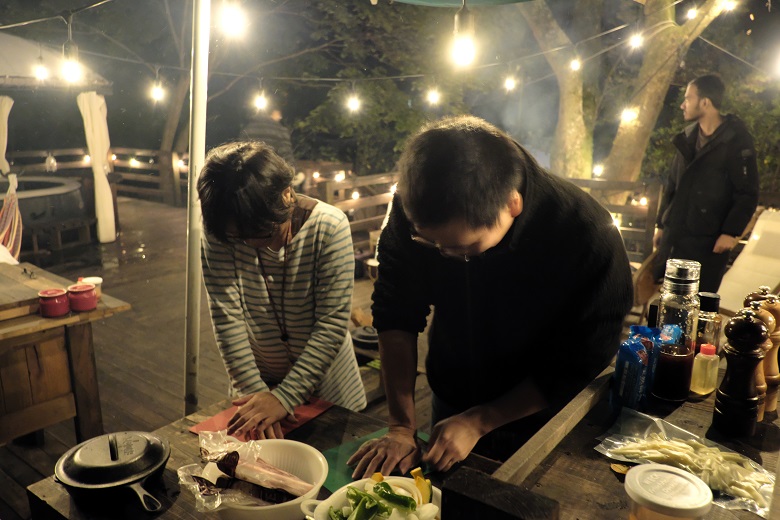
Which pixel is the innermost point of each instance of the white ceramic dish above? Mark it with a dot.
(297, 458)
(318, 509)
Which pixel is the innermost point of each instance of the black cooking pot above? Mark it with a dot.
(114, 461)
(365, 337)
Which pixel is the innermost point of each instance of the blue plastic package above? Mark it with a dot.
(635, 367)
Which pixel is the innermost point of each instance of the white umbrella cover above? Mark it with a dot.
(93, 111)
(5, 108)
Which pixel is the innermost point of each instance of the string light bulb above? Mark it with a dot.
(598, 169)
(40, 70)
(464, 48)
(729, 5)
(157, 92)
(691, 14)
(636, 41)
(510, 83)
(355, 195)
(340, 176)
(353, 102)
(433, 97)
(315, 175)
(232, 20)
(261, 101)
(575, 64)
(629, 115)
(71, 68)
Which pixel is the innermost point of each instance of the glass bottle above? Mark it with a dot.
(678, 316)
(708, 329)
(704, 379)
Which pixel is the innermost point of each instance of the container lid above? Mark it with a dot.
(709, 301)
(51, 293)
(682, 271)
(81, 287)
(668, 490)
(708, 349)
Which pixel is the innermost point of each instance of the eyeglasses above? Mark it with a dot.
(455, 254)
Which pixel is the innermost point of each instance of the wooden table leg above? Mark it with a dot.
(81, 357)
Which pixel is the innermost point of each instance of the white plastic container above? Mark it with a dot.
(704, 379)
(661, 492)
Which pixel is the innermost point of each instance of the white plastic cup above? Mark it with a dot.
(96, 281)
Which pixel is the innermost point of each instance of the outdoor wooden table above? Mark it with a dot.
(336, 426)
(47, 365)
(560, 462)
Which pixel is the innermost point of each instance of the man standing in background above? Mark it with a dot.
(712, 189)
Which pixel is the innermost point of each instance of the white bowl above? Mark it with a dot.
(318, 509)
(295, 457)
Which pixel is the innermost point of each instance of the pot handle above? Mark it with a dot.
(150, 503)
(308, 506)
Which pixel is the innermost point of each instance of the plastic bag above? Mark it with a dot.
(632, 426)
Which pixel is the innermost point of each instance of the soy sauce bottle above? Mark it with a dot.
(678, 317)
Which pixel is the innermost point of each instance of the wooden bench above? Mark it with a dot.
(54, 231)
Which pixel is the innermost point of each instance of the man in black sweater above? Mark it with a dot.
(712, 189)
(530, 283)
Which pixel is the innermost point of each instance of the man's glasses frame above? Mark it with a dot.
(443, 251)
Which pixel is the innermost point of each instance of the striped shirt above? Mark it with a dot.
(319, 358)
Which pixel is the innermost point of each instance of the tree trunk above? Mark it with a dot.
(666, 45)
(572, 150)
(169, 175)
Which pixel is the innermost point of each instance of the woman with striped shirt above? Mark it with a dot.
(279, 273)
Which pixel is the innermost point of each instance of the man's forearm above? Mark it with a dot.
(398, 353)
(523, 400)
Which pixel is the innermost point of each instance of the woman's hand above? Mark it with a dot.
(452, 440)
(258, 417)
(397, 448)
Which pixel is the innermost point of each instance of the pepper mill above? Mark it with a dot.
(760, 375)
(761, 294)
(771, 369)
(736, 401)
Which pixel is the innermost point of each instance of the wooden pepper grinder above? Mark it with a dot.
(766, 346)
(736, 401)
(771, 368)
(760, 295)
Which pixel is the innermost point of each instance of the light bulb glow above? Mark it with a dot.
(232, 20)
(433, 97)
(729, 5)
(643, 201)
(629, 115)
(510, 83)
(464, 50)
(353, 103)
(355, 195)
(113, 157)
(71, 71)
(691, 14)
(41, 72)
(87, 159)
(598, 169)
(575, 64)
(134, 163)
(261, 102)
(180, 164)
(636, 41)
(340, 176)
(315, 175)
(157, 93)
(394, 188)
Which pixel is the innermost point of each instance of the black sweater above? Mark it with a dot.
(547, 302)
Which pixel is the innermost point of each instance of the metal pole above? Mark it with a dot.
(198, 90)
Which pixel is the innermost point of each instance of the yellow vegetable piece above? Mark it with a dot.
(423, 485)
(377, 477)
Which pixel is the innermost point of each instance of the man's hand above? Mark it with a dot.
(452, 440)
(659, 233)
(725, 243)
(397, 448)
(258, 417)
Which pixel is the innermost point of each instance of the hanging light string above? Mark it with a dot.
(67, 17)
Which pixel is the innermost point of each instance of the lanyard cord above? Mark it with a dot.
(281, 323)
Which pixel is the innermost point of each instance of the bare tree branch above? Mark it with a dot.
(174, 36)
(119, 44)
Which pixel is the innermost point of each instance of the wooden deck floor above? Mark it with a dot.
(140, 353)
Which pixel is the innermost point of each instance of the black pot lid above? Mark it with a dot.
(112, 459)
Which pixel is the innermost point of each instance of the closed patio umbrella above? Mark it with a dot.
(93, 111)
(10, 218)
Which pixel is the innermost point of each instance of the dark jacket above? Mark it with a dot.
(714, 191)
(547, 302)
